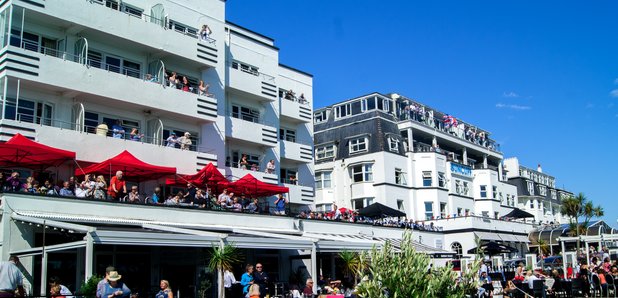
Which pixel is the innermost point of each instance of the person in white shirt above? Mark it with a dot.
(228, 282)
(270, 167)
(11, 279)
(64, 291)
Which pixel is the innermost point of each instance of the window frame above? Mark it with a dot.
(441, 180)
(483, 189)
(393, 144)
(427, 178)
(356, 143)
(428, 213)
(321, 115)
(400, 177)
(320, 179)
(365, 173)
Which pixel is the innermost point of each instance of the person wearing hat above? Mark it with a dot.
(171, 140)
(102, 285)
(185, 141)
(115, 287)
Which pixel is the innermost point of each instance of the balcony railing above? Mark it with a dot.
(163, 23)
(121, 70)
(101, 131)
(462, 131)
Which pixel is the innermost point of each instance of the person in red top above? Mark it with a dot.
(117, 186)
(308, 290)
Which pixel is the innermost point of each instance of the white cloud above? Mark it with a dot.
(512, 107)
(510, 94)
(614, 93)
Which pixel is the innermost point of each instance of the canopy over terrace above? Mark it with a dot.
(132, 168)
(550, 234)
(20, 151)
(251, 186)
(377, 210)
(518, 214)
(208, 175)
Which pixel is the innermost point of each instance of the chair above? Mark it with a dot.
(595, 286)
(611, 284)
(538, 288)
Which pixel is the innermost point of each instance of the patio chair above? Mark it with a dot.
(611, 285)
(595, 286)
(538, 288)
(577, 287)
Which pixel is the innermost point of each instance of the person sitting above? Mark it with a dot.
(186, 86)
(270, 167)
(81, 191)
(117, 130)
(156, 196)
(308, 290)
(235, 206)
(134, 196)
(203, 89)
(173, 80)
(254, 167)
(290, 95)
(254, 207)
(65, 191)
(174, 200)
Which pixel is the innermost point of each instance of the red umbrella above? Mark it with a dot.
(208, 175)
(131, 167)
(20, 151)
(250, 186)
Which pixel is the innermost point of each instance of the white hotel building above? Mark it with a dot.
(398, 152)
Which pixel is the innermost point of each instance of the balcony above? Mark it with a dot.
(251, 132)
(234, 173)
(63, 72)
(300, 194)
(63, 135)
(252, 83)
(296, 111)
(297, 152)
(113, 18)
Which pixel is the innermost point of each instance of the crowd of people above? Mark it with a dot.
(448, 124)
(291, 95)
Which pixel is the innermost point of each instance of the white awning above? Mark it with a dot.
(488, 236)
(50, 248)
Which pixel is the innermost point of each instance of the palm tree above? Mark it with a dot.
(543, 246)
(350, 263)
(223, 258)
(577, 207)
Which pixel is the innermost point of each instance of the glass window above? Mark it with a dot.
(361, 203)
(400, 177)
(358, 145)
(427, 178)
(443, 210)
(428, 210)
(287, 134)
(494, 192)
(441, 180)
(252, 159)
(393, 144)
(466, 189)
(530, 188)
(400, 205)
(321, 116)
(246, 114)
(324, 152)
(362, 173)
(483, 191)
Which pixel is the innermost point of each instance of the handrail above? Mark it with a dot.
(295, 99)
(44, 121)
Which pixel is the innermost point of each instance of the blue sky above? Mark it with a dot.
(542, 76)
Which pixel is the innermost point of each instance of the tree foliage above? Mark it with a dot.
(404, 274)
(223, 258)
(576, 208)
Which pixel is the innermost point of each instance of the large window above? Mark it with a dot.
(457, 248)
(323, 179)
(287, 134)
(441, 180)
(252, 159)
(443, 210)
(362, 172)
(483, 191)
(427, 178)
(400, 177)
(361, 203)
(245, 113)
(114, 63)
(244, 67)
(29, 111)
(530, 187)
(182, 28)
(358, 145)
(321, 116)
(542, 190)
(553, 195)
(393, 144)
(324, 152)
(428, 210)
(494, 192)
(288, 176)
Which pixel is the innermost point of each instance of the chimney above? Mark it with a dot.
(539, 169)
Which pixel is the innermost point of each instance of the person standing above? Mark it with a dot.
(308, 290)
(63, 291)
(270, 167)
(171, 141)
(246, 280)
(185, 141)
(280, 204)
(117, 186)
(261, 278)
(229, 280)
(166, 291)
(11, 279)
(117, 130)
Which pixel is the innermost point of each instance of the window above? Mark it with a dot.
(179, 132)
(443, 210)
(530, 188)
(457, 248)
(459, 211)
(252, 159)
(182, 28)
(467, 212)
(362, 173)
(322, 179)
(428, 210)
(321, 116)
(132, 10)
(466, 189)
(553, 195)
(29, 111)
(542, 190)
(501, 198)
(393, 144)
(426, 178)
(494, 193)
(458, 186)
(246, 114)
(483, 191)
(287, 134)
(361, 203)
(244, 67)
(287, 174)
(496, 214)
(441, 180)
(114, 63)
(531, 204)
(400, 205)
(400, 177)
(342, 111)
(324, 152)
(358, 145)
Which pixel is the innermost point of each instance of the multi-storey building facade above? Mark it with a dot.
(409, 156)
(70, 66)
(537, 192)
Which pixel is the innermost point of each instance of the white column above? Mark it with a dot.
(89, 257)
(464, 156)
(564, 259)
(410, 140)
(485, 161)
(44, 273)
(314, 267)
(587, 253)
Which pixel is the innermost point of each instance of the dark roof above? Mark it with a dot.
(295, 69)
